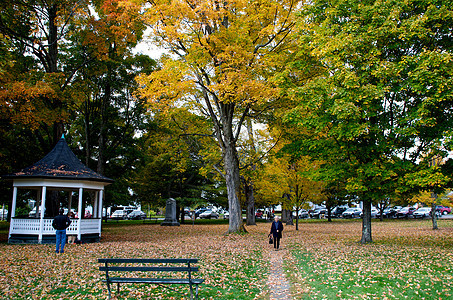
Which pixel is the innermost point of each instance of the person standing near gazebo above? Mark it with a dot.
(60, 223)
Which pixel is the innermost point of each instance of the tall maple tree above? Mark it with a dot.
(221, 57)
(383, 100)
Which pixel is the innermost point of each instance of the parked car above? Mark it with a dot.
(209, 214)
(136, 215)
(32, 213)
(3, 213)
(422, 212)
(337, 211)
(75, 214)
(187, 212)
(303, 214)
(352, 212)
(405, 212)
(443, 210)
(226, 215)
(119, 214)
(374, 213)
(199, 211)
(388, 212)
(318, 213)
(259, 214)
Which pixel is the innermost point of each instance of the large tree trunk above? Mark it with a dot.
(287, 216)
(101, 144)
(329, 213)
(297, 218)
(366, 222)
(232, 183)
(52, 61)
(250, 199)
(433, 212)
(248, 183)
(53, 39)
(381, 211)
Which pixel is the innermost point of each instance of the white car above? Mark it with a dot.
(422, 212)
(119, 214)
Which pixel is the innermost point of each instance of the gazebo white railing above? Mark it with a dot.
(32, 226)
(59, 170)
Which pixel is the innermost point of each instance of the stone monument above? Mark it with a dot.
(170, 214)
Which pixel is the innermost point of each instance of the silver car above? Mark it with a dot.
(352, 212)
(136, 215)
(209, 214)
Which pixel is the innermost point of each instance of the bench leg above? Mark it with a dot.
(191, 291)
(196, 291)
(118, 288)
(108, 288)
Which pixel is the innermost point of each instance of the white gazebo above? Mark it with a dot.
(62, 171)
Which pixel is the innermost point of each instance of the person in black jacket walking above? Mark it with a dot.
(276, 231)
(60, 223)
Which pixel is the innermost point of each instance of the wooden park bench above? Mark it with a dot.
(145, 270)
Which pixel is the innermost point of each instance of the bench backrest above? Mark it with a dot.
(155, 261)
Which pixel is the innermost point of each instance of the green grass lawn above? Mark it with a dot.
(408, 260)
(322, 260)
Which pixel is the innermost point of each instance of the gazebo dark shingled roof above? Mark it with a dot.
(60, 163)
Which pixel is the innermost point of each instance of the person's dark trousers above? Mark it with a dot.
(276, 242)
(61, 240)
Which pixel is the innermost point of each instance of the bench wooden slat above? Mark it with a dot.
(147, 260)
(147, 269)
(154, 280)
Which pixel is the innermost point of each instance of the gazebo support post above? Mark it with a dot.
(43, 208)
(79, 225)
(13, 208)
(99, 200)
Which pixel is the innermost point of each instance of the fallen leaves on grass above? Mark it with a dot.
(322, 261)
(232, 265)
(407, 260)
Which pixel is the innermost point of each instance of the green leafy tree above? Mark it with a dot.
(383, 98)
